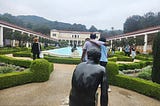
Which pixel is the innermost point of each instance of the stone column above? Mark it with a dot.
(111, 43)
(1, 36)
(13, 43)
(145, 44)
(27, 44)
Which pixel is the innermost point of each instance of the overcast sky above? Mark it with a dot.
(103, 14)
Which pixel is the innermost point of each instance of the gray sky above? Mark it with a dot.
(103, 14)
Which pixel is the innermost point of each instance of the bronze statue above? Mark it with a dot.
(85, 81)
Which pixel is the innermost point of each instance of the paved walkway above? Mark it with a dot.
(55, 92)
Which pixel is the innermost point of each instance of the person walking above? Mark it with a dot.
(36, 48)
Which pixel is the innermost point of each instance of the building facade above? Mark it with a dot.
(72, 37)
(147, 35)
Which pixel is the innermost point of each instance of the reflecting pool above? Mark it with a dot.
(64, 52)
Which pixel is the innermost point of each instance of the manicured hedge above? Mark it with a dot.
(112, 68)
(139, 85)
(139, 57)
(113, 59)
(62, 60)
(9, 50)
(15, 78)
(136, 84)
(40, 71)
(119, 53)
(22, 54)
(136, 65)
(124, 58)
(18, 62)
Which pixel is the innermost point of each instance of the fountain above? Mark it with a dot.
(65, 52)
(74, 51)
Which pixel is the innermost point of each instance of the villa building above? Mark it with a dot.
(72, 37)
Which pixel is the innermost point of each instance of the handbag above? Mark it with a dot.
(41, 55)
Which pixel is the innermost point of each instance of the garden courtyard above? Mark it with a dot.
(55, 91)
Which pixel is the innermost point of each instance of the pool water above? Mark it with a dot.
(66, 51)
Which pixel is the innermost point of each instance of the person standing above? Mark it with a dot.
(36, 48)
(85, 81)
(104, 54)
(133, 53)
(127, 50)
(87, 46)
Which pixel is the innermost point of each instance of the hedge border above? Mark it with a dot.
(42, 72)
(145, 87)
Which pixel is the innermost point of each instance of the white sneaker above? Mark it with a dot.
(109, 90)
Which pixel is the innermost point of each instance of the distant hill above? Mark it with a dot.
(40, 24)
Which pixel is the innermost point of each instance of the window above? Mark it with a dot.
(54, 34)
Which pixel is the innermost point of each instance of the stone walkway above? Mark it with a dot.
(55, 92)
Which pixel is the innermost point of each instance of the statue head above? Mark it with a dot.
(94, 54)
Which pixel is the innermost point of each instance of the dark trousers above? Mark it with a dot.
(104, 64)
(35, 55)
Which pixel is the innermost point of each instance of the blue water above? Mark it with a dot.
(65, 51)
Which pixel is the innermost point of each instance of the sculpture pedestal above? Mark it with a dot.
(75, 53)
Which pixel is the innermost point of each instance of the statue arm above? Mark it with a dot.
(104, 92)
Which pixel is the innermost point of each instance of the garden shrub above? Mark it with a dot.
(122, 67)
(112, 70)
(145, 75)
(139, 85)
(15, 78)
(114, 59)
(65, 60)
(18, 62)
(124, 58)
(41, 69)
(6, 69)
(119, 53)
(140, 57)
(9, 50)
(22, 54)
(142, 64)
(129, 66)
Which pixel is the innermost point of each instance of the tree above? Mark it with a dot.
(133, 23)
(156, 59)
(18, 36)
(93, 29)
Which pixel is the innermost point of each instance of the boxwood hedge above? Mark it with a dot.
(62, 60)
(39, 71)
(136, 84)
(139, 85)
(22, 54)
(18, 62)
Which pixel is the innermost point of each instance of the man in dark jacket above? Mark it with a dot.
(85, 80)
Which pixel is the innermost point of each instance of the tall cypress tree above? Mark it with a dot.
(156, 59)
